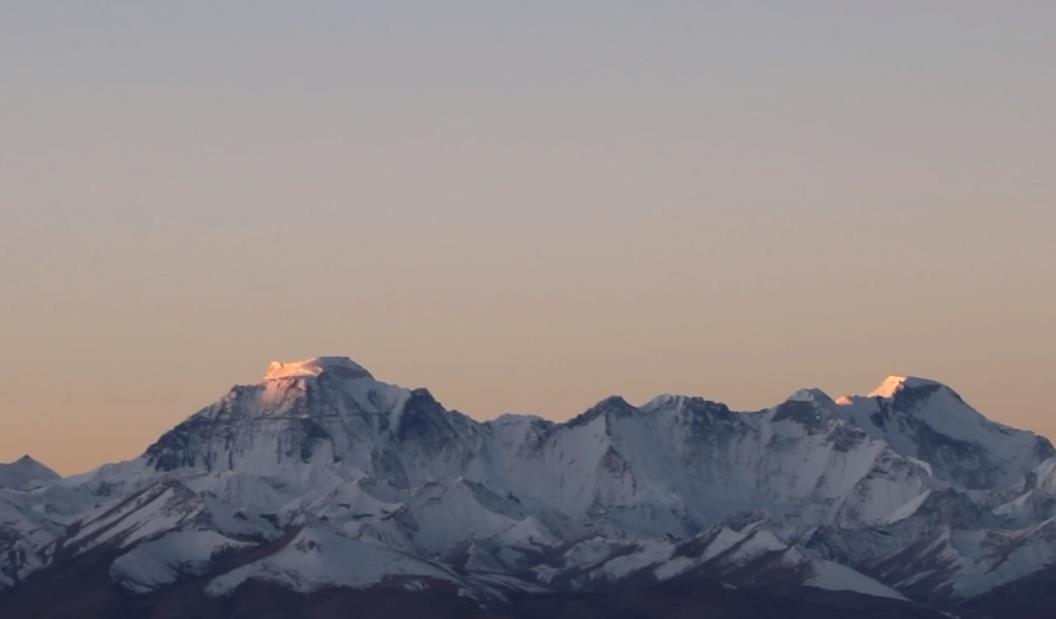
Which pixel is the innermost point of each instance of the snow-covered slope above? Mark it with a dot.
(24, 529)
(752, 556)
(320, 476)
(24, 534)
(317, 557)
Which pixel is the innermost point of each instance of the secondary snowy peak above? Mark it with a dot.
(811, 395)
(24, 473)
(925, 419)
(341, 367)
(894, 384)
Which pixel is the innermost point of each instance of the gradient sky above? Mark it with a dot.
(525, 206)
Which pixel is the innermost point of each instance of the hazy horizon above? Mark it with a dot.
(559, 416)
(523, 208)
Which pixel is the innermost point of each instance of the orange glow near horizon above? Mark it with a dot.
(730, 201)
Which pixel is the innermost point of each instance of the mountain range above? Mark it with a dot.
(319, 489)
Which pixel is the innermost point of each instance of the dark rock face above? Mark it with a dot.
(175, 448)
(969, 463)
(807, 414)
(612, 406)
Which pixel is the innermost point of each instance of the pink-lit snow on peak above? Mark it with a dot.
(316, 366)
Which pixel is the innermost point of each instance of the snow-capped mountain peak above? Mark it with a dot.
(895, 383)
(925, 419)
(24, 472)
(342, 367)
(811, 395)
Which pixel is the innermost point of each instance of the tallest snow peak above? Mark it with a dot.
(894, 384)
(339, 366)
